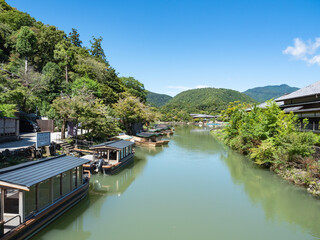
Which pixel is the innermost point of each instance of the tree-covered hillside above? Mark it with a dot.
(156, 99)
(262, 94)
(204, 100)
(46, 71)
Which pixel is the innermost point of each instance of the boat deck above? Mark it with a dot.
(12, 223)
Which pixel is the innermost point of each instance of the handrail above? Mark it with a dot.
(14, 218)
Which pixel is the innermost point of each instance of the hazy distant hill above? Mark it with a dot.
(156, 99)
(208, 100)
(262, 94)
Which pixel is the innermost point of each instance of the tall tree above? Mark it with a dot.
(97, 50)
(65, 55)
(130, 110)
(74, 37)
(135, 88)
(48, 37)
(26, 42)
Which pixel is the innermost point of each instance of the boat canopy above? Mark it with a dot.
(117, 144)
(23, 176)
(147, 134)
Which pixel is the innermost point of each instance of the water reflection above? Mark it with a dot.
(281, 201)
(101, 186)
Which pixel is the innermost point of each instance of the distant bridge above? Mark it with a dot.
(203, 116)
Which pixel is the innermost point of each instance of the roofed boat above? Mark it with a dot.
(150, 139)
(35, 193)
(114, 155)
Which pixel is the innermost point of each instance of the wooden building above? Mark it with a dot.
(35, 193)
(304, 102)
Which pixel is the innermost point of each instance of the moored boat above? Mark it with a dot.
(150, 139)
(33, 194)
(114, 155)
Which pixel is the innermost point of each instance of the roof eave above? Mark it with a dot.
(15, 186)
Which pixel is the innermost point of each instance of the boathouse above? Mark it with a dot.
(304, 102)
(34, 193)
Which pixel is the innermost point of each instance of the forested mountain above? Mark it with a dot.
(156, 99)
(203, 100)
(262, 94)
(45, 70)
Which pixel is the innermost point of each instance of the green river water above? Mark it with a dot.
(196, 188)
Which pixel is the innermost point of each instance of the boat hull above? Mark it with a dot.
(33, 225)
(110, 170)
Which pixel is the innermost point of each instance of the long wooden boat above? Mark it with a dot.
(114, 155)
(150, 139)
(30, 204)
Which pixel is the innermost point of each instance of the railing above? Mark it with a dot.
(14, 218)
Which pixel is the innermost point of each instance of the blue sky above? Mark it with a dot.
(171, 46)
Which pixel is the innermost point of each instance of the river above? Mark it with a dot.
(196, 188)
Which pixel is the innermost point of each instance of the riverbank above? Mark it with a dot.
(303, 172)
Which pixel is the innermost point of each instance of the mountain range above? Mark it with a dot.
(262, 94)
(209, 99)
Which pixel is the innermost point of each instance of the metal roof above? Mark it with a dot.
(264, 105)
(292, 109)
(118, 144)
(30, 173)
(310, 90)
(147, 134)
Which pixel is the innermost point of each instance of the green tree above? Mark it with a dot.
(130, 110)
(48, 37)
(26, 42)
(87, 85)
(74, 38)
(97, 50)
(64, 54)
(7, 110)
(52, 80)
(134, 87)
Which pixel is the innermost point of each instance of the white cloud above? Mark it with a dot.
(305, 50)
(315, 60)
(299, 49)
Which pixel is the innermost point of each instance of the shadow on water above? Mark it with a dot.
(280, 200)
(101, 187)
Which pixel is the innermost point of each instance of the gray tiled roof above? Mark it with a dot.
(312, 89)
(147, 134)
(264, 105)
(30, 173)
(118, 144)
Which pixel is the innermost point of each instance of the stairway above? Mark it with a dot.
(66, 147)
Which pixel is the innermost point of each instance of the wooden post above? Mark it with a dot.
(314, 125)
(51, 190)
(2, 213)
(21, 205)
(117, 156)
(70, 172)
(108, 156)
(3, 193)
(37, 196)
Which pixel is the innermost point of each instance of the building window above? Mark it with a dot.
(30, 201)
(44, 194)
